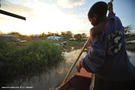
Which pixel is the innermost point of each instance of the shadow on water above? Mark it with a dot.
(52, 78)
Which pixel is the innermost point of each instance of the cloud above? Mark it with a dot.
(70, 3)
(44, 17)
(52, 18)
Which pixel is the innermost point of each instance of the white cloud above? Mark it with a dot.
(52, 18)
(70, 3)
(46, 17)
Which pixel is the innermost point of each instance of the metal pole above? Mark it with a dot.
(12, 14)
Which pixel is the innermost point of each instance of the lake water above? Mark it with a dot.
(51, 79)
(131, 57)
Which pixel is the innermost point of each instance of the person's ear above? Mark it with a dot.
(90, 19)
(94, 17)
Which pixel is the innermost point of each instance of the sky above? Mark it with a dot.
(58, 15)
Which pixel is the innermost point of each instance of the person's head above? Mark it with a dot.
(97, 12)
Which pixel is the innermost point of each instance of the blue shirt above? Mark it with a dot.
(107, 57)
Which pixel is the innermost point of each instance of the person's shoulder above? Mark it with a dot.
(118, 19)
(98, 29)
(113, 16)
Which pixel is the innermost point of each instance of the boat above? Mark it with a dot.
(79, 81)
(82, 80)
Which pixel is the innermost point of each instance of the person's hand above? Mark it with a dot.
(110, 6)
(78, 67)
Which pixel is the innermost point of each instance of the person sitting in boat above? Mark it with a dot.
(107, 57)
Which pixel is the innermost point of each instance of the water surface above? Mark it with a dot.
(52, 78)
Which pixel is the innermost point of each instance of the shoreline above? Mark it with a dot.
(130, 47)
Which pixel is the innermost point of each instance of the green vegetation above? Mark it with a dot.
(130, 47)
(129, 37)
(73, 45)
(24, 61)
(25, 56)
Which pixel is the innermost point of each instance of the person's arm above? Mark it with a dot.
(80, 64)
(110, 7)
(96, 55)
(111, 14)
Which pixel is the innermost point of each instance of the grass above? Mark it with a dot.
(22, 62)
(130, 47)
(129, 37)
(73, 45)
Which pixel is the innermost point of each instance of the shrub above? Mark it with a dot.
(17, 62)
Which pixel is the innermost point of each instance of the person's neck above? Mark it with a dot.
(100, 20)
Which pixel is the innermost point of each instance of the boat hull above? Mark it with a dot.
(80, 81)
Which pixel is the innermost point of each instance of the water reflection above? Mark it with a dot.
(51, 79)
(131, 57)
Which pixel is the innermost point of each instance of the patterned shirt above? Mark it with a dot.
(107, 57)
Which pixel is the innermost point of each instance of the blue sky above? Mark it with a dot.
(125, 10)
(58, 15)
